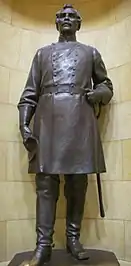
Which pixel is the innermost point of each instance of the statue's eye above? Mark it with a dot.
(62, 15)
(72, 15)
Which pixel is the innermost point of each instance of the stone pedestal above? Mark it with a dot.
(61, 258)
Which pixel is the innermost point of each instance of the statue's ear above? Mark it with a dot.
(56, 26)
(79, 19)
(79, 26)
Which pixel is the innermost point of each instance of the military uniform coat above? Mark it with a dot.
(65, 124)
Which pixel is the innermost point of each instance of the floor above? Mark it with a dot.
(123, 263)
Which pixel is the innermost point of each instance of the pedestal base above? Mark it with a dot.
(61, 258)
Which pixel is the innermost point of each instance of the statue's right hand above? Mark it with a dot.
(29, 140)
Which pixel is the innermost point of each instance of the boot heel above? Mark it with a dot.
(75, 248)
(68, 249)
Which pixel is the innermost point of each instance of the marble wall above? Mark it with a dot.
(26, 25)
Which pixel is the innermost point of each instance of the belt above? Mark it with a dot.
(71, 88)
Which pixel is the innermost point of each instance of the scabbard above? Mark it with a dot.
(101, 206)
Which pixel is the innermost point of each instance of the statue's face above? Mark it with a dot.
(67, 21)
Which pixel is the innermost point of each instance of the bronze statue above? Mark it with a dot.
(65, 82)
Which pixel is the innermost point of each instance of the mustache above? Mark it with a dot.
(66, 22)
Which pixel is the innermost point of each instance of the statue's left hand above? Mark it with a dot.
(93, 96)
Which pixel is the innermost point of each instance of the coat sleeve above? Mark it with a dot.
(30, 95)
(101, 82)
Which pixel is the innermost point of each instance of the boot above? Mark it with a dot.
(75, 192)
(47, 190)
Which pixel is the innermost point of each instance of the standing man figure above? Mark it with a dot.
(66, 80)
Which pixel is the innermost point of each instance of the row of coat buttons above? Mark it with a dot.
(70, 85)
(55, 59)
(60, 92)
(55, 74)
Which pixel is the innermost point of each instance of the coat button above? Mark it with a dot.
(72, 85)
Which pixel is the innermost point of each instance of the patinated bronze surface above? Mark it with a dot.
(66, 80)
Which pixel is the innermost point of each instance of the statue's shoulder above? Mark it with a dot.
(44, 49)
(86, 47)
(43, 52)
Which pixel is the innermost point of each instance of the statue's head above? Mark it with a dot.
(68, 20)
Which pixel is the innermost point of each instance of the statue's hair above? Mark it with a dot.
(65, 7)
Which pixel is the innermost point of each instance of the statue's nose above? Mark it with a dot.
(67, 17)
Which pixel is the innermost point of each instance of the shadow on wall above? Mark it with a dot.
(44, 11)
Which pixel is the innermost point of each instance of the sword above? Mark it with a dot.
(101, 206)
